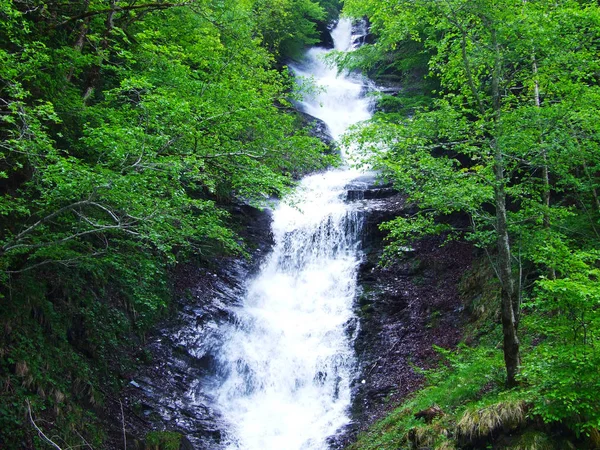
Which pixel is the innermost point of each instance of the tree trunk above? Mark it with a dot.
(509, 296)
(545, 170)
(79, 43)
(94, 75)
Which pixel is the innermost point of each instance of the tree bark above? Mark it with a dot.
(545, 170)
(79, 43)
(509, 295)
(510, 305)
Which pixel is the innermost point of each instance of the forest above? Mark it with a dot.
(129, 130)
(494, 135)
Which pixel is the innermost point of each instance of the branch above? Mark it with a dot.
(222, 155)
(467, 66)
(149, 6)
(64, 262)
(97, 227)
(73, 236)
(39, 431)
(43, 220)
(123, 423)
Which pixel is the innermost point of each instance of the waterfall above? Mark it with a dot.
(287, 361)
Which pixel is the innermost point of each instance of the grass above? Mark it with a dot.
(467, 375)
(481, 422)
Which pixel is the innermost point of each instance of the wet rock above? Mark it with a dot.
(396, 306)
(166, 393)
(404, 308)
(324, 30)
(320, 130)
(368, 187)
(185, 444)
(361, 33)
(370, 194)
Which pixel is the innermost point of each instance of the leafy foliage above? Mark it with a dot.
(126, 131)
(504, 139)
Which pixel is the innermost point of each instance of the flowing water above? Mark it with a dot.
(287, 362)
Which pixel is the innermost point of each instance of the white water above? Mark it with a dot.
(288, 360)
(343, 102)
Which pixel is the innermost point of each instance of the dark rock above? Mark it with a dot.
(368, 187)
(166, 393)
(405, 308)
(325, 39)
(320, 130)
(370, 194)
(186, 444)
(396, 305)
(361, 33)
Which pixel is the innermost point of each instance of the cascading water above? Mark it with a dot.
(287, 361)
(342, 103)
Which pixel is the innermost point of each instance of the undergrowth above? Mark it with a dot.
(65, 345)
(465, 403)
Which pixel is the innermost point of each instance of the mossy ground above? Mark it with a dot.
(163, 440)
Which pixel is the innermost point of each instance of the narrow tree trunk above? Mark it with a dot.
(594, 190)
(509, 296)
(83, 31)
(510, 306)
(545, 170)
(94, 75)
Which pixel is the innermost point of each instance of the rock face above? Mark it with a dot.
(361, 31)
(319, 129)
(324, 30)
(164, 393)
(404, 309)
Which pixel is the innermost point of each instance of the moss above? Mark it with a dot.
(480, 294)
(163, 440)
(481, 422)
(434, 319)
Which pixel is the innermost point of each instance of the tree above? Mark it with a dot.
(488, 142)
(127, 132)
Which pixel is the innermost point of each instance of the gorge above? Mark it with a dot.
(303, 346)
(188, 260)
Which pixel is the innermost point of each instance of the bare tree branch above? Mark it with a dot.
(38, 429)
(223, 155)
(123, 424)
(65, 262)
(119, 224)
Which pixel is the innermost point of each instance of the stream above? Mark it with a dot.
(287, 362)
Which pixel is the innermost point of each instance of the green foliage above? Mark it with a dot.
(563, 369)
(507, 132)
(288, 26)
(332, 9)
(467, 375)
(163, 440)
(126, 130)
